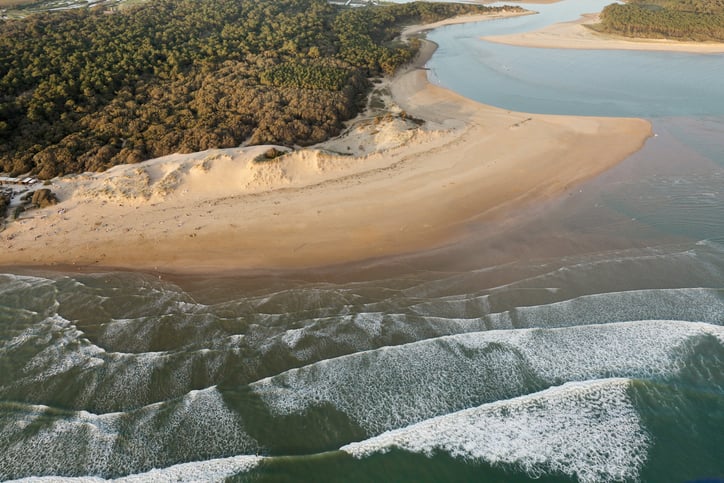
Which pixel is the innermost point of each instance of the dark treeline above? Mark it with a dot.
(698, 20)
(85, 90)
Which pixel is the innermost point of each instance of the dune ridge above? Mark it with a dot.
(390, 184)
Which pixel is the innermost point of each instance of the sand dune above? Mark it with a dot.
(386, 186)
(575, 35)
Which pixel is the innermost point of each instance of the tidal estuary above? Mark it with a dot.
(580, 339)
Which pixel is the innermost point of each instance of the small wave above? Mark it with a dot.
(113, 361)
(692, 304)
(689, 205)
(37, 296)
(663, 267)
(209, 470)
(590, 430)
(34, 439)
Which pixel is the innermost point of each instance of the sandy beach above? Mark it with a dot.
(575, 35)
(388, 185)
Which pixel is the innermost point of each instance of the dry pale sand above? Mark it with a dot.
(417, 29)
(575, 35)
(397, 187)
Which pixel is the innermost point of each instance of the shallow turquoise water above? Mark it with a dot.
(580, 340)
(557, 81)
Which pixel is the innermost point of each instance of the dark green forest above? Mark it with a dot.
(84, 90)
(698, 20)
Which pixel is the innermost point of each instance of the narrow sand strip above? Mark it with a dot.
(575, 35)
(407, 188)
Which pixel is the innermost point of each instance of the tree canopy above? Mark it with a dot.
(698, 20)
(88, 89)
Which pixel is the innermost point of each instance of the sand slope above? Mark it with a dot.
(396, 187)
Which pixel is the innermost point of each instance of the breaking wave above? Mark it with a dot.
(589, 430)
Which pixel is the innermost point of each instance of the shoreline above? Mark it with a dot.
(411, 30)
(422, 187)
(575, 35)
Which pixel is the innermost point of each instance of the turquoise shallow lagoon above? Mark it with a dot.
(580, 82)
(578, 340)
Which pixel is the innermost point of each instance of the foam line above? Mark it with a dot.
(698, 265)
(196, 426)
(111, 380)
(209, 470)
(587, 430)
(692, 304)
(396, 386)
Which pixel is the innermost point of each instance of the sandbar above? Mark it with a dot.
(388, 185)
(575, 35)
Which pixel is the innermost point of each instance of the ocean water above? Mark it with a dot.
(581, 339)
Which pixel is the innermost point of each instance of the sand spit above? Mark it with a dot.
(575, 35)
(388, 185)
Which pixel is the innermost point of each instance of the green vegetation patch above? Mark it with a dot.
(694, 6)
(694, 20)
(87, 89)
(303, 76)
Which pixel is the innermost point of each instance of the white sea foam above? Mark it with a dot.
(292, 336)
(135, 333)
(370, 323)
(10, 282)
(588, 430)
(53, 350)
(644, 349)
(693, 304)
(35, 439)
(396, 386)
(36, 296)
(64, 347)
(209, 470)
(108, 381)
